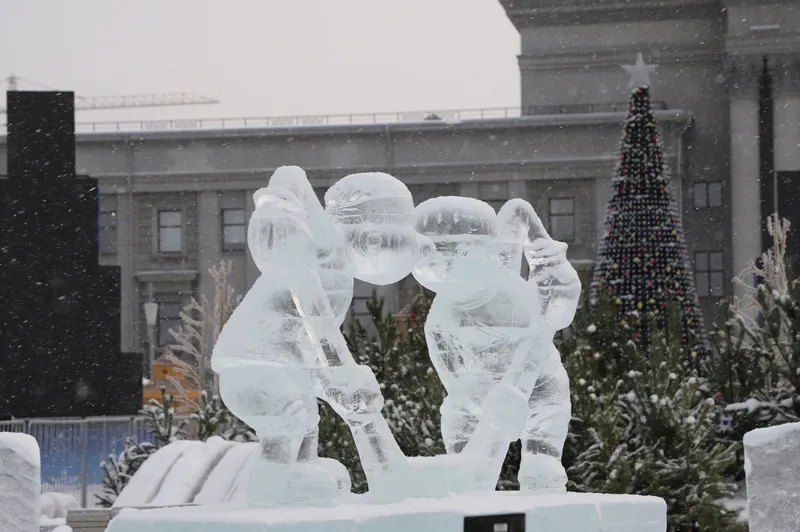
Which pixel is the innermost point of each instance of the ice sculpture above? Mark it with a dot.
(490, 335)
(282, 347)
(20, 484)
(489, 332)
(773, 479)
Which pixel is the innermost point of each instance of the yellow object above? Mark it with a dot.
(163, 373)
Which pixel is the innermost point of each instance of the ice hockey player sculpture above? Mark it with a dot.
(489, 333)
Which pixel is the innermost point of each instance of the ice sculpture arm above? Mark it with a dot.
(557, 281)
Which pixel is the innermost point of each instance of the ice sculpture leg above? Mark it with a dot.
(503, 412)
(459, 419)
(273, 400)
(546, 430)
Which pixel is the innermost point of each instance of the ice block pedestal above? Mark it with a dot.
(570, 512)
(773, 478)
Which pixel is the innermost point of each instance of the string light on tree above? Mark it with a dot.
(643, 260)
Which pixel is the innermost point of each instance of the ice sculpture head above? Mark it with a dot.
(278, 233)
(374, 211)
(463, 232)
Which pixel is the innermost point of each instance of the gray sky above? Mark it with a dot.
(267, 57)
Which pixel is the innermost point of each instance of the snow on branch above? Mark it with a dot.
(201, 323)
(769, 275)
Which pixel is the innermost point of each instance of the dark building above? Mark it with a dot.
(59, 309)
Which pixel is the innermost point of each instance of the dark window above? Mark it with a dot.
(170, 231)
(234, 230)
(562, 219)
(707, 194)
(108, 232)
(709, 276)
(169, 318)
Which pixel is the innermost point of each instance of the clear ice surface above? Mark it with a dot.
(20, 483)
(489, 333)
(773, 478)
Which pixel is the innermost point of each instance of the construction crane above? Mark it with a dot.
(94, 103)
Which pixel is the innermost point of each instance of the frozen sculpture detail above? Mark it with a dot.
(489, 333)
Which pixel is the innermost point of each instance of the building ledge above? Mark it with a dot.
(167, 276)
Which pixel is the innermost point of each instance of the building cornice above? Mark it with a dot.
(500, 124)
(417, 174)
(579, 59)
(529, 13)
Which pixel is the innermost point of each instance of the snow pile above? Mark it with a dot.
(189, 472)
(772, 465)
(56, 505)
(222, 481)
(146, 483)
(20, 483)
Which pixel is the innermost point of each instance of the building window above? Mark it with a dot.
(707, 194)
(709, 278)
(359, 308)
(562, 219)
(170, 231)
(169, 319)
(108, 232)
(234, 229)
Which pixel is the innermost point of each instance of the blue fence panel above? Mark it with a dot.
(73, 449)
(61, 443)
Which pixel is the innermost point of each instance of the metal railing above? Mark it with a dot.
(449, 116)
(72, 450)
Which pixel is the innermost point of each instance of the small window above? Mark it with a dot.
(707, 194)
(234, 230)
(108, 232)
(170, 231)
(709, 277)
(169, 318)
(562, 219)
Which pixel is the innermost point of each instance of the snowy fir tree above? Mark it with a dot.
(160, 420)
(394, 348)
(643, 260)
(214, 419)
(163, 428)
(117, 471)
(644, 422)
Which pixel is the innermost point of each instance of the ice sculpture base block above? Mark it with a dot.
(571, 512)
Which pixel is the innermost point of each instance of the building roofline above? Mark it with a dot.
(522, 122)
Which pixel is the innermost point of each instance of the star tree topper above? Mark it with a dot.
(640, 72)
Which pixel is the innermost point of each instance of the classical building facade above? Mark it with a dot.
(175, 202)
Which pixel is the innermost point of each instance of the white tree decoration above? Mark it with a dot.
(201, 323)
(771, 275)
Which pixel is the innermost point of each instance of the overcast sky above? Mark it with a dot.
(267, 57)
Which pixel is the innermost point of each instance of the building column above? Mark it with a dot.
(744, 75)
(786, 107)
(129, 300)
(252, 271)
(209, 240)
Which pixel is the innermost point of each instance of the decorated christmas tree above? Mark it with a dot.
(643, 261)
